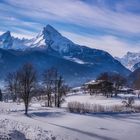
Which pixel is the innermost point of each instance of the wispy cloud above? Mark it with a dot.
(79, 13)
(117, 21)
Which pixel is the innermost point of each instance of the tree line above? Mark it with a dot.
(23, 84)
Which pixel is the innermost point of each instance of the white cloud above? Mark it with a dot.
(21, 33)
(1, 32)
(79, 13)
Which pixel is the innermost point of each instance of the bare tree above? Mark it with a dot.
(0, 95)
(49, 83)
(27, 83)
(12, 85)
(54, 87)
(62, 89)
(22, 84)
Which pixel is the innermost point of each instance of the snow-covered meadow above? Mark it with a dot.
(58, 124)
(101, 100)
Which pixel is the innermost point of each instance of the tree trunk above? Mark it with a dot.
(116, 93)
(55, 99)
(26, 109)
(26, 102)
(58, 101)
(48, 100)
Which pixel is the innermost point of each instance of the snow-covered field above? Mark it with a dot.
(86, 98)
(53, 123)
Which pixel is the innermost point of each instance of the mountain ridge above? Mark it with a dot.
(77, 63)
(130, 60)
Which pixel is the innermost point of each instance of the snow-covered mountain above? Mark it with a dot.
(130, 60)
(9, 42)
(76, 63)
(50, 37)
(6, 40)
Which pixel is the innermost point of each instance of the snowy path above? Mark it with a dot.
(98, 127)
(83, 127)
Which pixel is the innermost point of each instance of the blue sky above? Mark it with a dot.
(111, 25)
